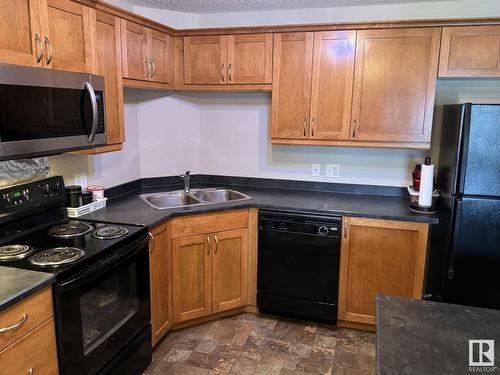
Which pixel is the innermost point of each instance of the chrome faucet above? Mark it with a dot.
(186, 178)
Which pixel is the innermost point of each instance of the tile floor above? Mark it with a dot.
(264, 345)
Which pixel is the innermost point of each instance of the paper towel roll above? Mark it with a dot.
(426, 185)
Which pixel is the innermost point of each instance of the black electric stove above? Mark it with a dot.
(101, 289)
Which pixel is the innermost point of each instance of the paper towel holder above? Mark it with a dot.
(415, 207)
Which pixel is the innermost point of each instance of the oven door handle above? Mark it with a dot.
(106, 265)
(93, 101)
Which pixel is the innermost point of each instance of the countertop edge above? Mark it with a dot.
(26, 292)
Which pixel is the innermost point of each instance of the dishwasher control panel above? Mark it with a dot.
(305, 224)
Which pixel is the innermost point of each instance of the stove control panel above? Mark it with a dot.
(43, 193)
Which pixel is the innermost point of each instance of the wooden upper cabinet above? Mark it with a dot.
(332, 79)
(21, 40)
(109, 65)
(249, 59)
(191, 278)
(161, 55)
(134, 50)
(379, 257)
(291, 85)
(394, 84)
(470, 51)
(68, 35)
(160, 273)
(205, 59)
(229, 269)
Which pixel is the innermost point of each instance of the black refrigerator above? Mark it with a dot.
(464, 254)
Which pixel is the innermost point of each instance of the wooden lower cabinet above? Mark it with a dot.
(379, 257)
(160, 273)
(31, 347)
(191, 277)
(209, 270)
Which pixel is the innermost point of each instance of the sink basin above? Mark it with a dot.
(170, 199)
(179, 198)
(219, 195)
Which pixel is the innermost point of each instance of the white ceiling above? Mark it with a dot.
(222, 6)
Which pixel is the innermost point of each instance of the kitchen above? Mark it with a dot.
(290, 247)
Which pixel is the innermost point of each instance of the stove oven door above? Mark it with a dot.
(102, 309)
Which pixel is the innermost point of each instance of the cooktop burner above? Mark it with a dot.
(70, 230)
(15, 252)
(109, 232)
(57, 256)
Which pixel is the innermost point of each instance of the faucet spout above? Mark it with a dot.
(187, 179)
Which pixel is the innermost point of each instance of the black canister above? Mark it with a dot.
(74, 195)
(87, 197)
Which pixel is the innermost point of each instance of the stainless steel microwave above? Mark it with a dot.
(47, 112)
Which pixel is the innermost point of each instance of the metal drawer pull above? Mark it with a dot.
(354, 130)
(148, 74)
(13, 327)
(222, 72)
(229, 72)
(30, 371)
(209, 245)
(216, 244)
(151, 236)
(154, 68)
(51, 50)
(39, 48)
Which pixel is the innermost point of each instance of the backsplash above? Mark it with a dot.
(14, 172)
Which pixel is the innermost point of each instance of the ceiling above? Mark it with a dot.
(222, 6)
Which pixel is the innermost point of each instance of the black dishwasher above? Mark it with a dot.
(298, 265)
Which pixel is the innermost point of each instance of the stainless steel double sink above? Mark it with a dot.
(195, 197)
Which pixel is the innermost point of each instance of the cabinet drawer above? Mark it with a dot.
(33, 311)
(36, 351)
(209, 223)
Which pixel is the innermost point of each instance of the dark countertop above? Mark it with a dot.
(423, 337)
(131, 209)
(17, 284)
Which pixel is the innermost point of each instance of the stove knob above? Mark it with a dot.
(46, 189)
(55, 188)
(323, 230)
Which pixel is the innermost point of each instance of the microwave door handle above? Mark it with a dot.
(93, 102)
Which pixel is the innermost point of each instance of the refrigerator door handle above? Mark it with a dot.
(452, 258)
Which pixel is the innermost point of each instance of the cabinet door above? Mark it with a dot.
(471, 51)
(394, 84)
(134, 51)
(291, 85)
(160, 52)
(205, 60)
(379, 257)
(250, 59)
(20, 36)
(109, 65)
(332, 77)
(160, 269)
(229, 270)
(191, 277)
(67, 27)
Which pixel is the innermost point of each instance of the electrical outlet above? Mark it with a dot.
(332, 170)
(316, 170)
(81, 179)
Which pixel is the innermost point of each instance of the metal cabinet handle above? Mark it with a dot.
(93, 101)
(39, 43)
(354, 129)
(222, 72)
(305, 123)
(30, 371)
(148, 73)
(229, 72)
(154, 68)
(209, 245)
(51, 51)
(13, 327)
(216, 244)
(312, 127)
